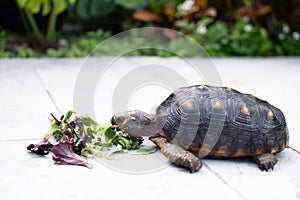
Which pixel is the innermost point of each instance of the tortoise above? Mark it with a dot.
(207, 121)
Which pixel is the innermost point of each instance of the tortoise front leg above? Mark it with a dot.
(177, 154)
(181, 157)
(265, 161)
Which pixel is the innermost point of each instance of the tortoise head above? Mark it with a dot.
(137, 123)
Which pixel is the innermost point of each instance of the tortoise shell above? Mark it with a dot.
(246, 125)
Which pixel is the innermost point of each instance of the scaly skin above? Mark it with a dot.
(265, 161)
(177, 155)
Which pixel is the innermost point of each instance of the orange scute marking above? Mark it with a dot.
(239, 153)
(222, 151)
(162, 133)
(189, 105)
(258, 151)
(217, 104)
(193, 149)
(205, 149)
(270, 114)
(273, 150)
(245, 110)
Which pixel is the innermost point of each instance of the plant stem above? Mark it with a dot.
(36, 31)
(24, 21)
(52, 23)
(57, 121)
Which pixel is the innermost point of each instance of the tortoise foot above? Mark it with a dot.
(181, 157)
(265, 161)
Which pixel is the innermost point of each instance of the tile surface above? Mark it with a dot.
(33, 88)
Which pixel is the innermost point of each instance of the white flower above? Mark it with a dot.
(248, 28)
(286, 28)
(281, 36)
(187, 5)
(296, 35)
(201, 29)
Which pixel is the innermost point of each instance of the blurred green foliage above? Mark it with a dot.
(76, 46)
(223, 28)
(5, 38)
(52, 8)
(79, 46)
(243, 40)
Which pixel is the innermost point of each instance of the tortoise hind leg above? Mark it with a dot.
(265, 161)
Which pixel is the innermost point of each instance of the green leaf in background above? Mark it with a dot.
(158, 6)
(72, 1)
(205, 21)
(34, 6)
(81, 9)
(22, 3)
(132, 4)
(216, 32)
(145, 151)
(100, 8)
(46, 7)
(61, 6)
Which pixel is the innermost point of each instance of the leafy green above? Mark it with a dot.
(145, 151)
(67, 116)
(64, 152)
(72, 137)
(106, 140)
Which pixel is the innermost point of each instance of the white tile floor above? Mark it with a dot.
(33, 88)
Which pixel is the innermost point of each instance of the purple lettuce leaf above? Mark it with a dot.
(40, 148)
(63, 152)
